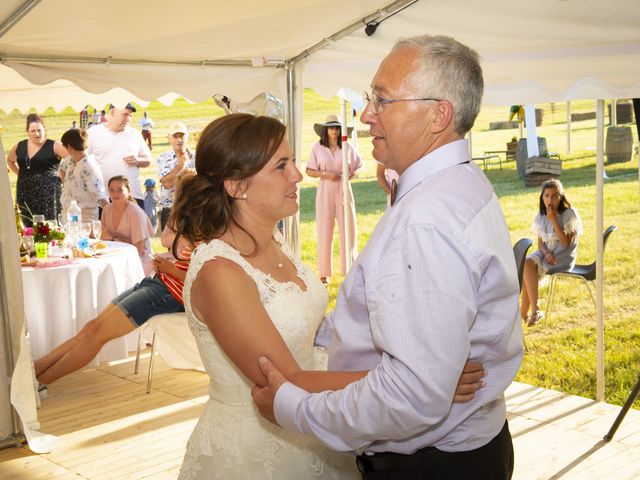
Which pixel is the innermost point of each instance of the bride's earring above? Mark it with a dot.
(243, 196)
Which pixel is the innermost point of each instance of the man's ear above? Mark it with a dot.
(442, 116)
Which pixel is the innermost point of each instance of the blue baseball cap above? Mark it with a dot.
(149, 182)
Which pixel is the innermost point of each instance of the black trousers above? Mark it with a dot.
(164, 217)
(493, 461)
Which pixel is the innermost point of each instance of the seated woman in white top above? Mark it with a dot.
(124, 221)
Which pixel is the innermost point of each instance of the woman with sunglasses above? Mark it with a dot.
(325, 163)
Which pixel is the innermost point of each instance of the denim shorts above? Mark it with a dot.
(145, 299)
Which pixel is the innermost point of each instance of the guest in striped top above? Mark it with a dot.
(155, 295)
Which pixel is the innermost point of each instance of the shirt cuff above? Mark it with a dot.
(286, 404)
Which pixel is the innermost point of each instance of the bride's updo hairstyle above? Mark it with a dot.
(233, 147)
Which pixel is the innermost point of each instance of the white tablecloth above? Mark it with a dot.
(59, 301)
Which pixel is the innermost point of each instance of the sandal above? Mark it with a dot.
(535, 318)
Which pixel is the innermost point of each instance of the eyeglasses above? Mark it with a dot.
(377, 102)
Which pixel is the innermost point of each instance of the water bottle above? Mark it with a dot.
(74, 213)
(74, 217)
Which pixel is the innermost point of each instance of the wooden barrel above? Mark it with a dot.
(619, 144)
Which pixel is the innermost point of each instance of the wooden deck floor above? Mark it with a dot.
(109, 428)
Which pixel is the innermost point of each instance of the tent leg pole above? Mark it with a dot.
(291, 225)
(599, 251)
(627, 405)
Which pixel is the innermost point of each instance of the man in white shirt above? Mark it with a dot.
(120, 149)
(435, 285)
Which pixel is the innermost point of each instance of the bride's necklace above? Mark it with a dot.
(27, 161)
(279, 260)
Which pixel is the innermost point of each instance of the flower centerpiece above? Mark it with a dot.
(46, 233)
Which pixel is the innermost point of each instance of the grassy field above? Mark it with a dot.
(561, 351)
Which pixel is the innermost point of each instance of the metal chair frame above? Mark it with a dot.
(585, 273)
(520, 250)
(151, 323)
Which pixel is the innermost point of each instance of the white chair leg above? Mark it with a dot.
(552, 291)
(135, 368)
(153, 354)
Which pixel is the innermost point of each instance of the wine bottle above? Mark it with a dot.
(19, 222)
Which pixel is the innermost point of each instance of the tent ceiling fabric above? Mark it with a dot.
(531, 52)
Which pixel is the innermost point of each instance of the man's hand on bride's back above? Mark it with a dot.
(265, 396)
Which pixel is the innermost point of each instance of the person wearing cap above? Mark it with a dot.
(120, 149)
(151, 202)
(170, 164)
(146, 125)
(325, 163)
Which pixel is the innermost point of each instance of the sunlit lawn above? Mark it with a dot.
(561, 351)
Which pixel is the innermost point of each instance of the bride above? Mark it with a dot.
(247, 295)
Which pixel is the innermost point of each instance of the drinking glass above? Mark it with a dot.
(38, 219)
(62, 220)
(96, 226)
(28, 243)
(41, 249)
(85, 229)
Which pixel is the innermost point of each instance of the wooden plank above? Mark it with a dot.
(112, 430)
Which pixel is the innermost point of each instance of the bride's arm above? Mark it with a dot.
(227, 300)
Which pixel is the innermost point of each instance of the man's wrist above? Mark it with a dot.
(285, 405)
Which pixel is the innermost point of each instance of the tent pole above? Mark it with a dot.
(599, 251)
(17, 15)
(613, 115)
(568, 127)
(345, 183)
(292, 223)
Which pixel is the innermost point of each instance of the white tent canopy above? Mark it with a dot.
(532, 52)
(76, 52)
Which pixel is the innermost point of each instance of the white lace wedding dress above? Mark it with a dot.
(231, 440)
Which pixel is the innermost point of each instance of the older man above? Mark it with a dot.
(170, 164)
(120, 149)
(436, 284)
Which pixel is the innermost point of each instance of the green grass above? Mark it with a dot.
(561, 351)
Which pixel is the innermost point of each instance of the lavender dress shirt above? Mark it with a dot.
(435, 285)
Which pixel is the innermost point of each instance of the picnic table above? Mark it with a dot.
(486, 160)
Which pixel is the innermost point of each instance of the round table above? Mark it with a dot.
(60, 300)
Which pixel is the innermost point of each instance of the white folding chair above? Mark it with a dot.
(173, 340)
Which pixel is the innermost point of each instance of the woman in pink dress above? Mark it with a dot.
(124, 221)
(325, 163)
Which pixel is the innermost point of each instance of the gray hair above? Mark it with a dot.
(451, 71)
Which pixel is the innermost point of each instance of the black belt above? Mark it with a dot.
(389, 461)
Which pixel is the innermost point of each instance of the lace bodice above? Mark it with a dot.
(296, 313)
(231, 440)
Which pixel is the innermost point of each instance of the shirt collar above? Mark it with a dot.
(448, 155)
(187, 154)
